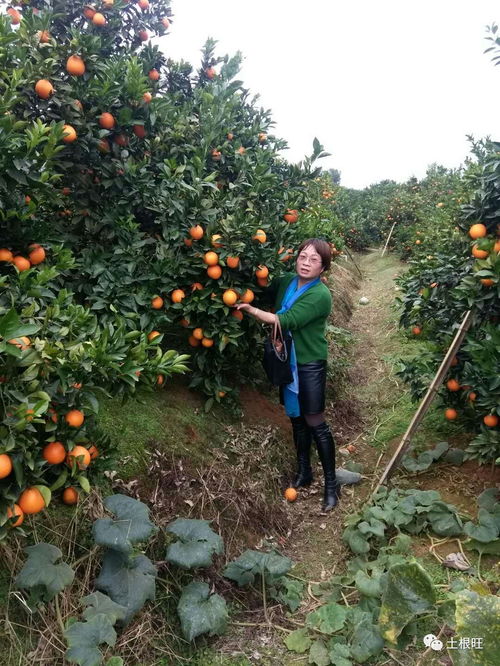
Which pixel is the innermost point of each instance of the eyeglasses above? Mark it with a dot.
(312, 260)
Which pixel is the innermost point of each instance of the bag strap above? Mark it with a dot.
(277, 336)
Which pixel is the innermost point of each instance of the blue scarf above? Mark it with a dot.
(291, 391)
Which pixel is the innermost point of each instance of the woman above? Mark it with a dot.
(303, 304)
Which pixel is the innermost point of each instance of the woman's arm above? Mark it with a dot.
(260, 315)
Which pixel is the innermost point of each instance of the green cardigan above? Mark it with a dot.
(306, 319)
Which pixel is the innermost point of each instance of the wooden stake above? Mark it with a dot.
(427, 400)
(388, 238)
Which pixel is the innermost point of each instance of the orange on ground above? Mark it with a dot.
(198, 333)
(139, 131)
(262, 272)
(237, 314)
(74, 418)
(5, 255)
(247, 297)
(260, 235)
(69, 134)
(37, 256)
(291, 216)
(157, 303)
(196, 232)
(451, 414)
(214, 272)
(5, 465)
(78, 452)
(177, 295)
(478, 231)
(479, 254)
(54, 453)
(153, 335)
(21, 263)
(17, 512)
(233, 262)
(416, 330)
(193, 341)
(94, 451)
(453, 385)
(70, 496)
(491, 420)
(291, 494)
(75, 65)
(229, 297)
(31, 500)
(207, 342)
(44, 88)
(107, 120)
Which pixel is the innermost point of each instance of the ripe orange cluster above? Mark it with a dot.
(35, 256)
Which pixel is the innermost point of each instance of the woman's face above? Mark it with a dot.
(309, 265)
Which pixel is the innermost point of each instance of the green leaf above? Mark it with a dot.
(366, 641)
(253, 563)
(11, 326)
(100, 604)
(200, 612)
(356, 541)
(131, 525)
(327, 619)
(39, 573)
(288, 591)
(129, 582)
(339, 654)
(197, 546)
(409, 592)
(486, 531)
(491, 548)
(115, 661)
(83, 639)
(477, 616)
(368, 585)
(489, 499)
(444, 519)
(318, 654)
(298, 641)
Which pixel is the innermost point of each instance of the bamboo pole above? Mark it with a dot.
(427, 400)
(388, 238)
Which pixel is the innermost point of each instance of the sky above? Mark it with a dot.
(388, 87)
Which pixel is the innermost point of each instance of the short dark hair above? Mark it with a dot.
(322, 248)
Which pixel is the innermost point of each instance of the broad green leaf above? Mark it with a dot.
(98, 603)
(318, 654)
(486, 531)
(83, 639)
(39, 573)
(444, 519)
(11, 326)
(253, 563)
(130, 582)
(327, 619)
(368, 585)
(409, 592)
(131, 525)
(115, 661)
(197, 545)
(200, 612)
(339, 654)
(288, 591)
(356, 541)
(477, 616)
(366, 640)
(491, 548)
(298, 641)
(489, 499)
(376, 527)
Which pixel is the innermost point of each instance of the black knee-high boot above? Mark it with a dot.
(326, 451)
(303, 439)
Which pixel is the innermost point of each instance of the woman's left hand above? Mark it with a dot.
(246, 307)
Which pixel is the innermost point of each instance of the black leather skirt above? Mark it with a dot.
(312, 385)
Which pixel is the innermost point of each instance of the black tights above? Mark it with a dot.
(314, 419)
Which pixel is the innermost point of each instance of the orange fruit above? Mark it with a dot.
(262, 282)
(215, 239)
(157, 303)
(165, 23)
(66, 191)
(496, 247)
(31, 501)
(70, 496)
(5, 465)
(44, 88)
(454, 361)
(121, 140)
(143, 35)
(177, 295)
(230, 136)
(260, 235)
(78, 105)
(233, 262)
(24, 344)
(75, 65)
(154, 75)
(216, 155)
(106, 120)
(94, 451)
(153, 335)
(262, 136)
(15, 16)
(487, 282)
(211, 258)
(188, 242)
(478, 231)
(54, 453)
(479, 254)
(69, 134)
(44, 36)
(78, 452)
(451, 414)
(160, 380)
(241, 150)
(453, 385)
(434, 284)
(193, 341)
(196, 232)
(37, 256)
(147, 97)
(207, 342)
(5, 255)
(262, 272)
(221, 394)
(103, 146)
(17, 512)
(291, 494)
(143, 4)
(21, 263)
(99, 19)
(472, 396)
(237, 314)
(74, 418)
(89, 12)
(196, 286)
(229, 297)
(214, 272)
(184, 322)
(491, 420)
(247, 297)
(139, 131)
(77, 385)
(291, 216)
(198, 334)
(416, 330)
(210, 72)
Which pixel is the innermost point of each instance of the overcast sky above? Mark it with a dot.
(387, 86)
